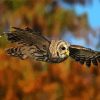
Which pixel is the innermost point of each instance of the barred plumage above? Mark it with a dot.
(36, 46)
(16, 52)
(84, 55)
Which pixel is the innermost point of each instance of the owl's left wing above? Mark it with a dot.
(28, 37)
(84, 55)
(28, 41)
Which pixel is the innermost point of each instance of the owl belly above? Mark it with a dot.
(57, 60)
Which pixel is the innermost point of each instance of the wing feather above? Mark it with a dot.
(27, 36)
(16, 52)
(29, 39)
(84, 55)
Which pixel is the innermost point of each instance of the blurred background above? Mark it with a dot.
(76, 21)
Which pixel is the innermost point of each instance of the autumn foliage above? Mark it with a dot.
(33, 80)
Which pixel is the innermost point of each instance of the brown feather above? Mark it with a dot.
(84, 55)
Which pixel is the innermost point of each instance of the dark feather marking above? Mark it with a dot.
(88, 62)
(16, 52)
(83, 55)
(82, 60)
(94, 61)
(77, 59)
(98, 58)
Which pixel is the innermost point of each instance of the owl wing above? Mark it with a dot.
(34, 42)
(84, 55)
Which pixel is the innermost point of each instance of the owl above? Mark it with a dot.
(31, 44)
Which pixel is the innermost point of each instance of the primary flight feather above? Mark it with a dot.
(34, 45)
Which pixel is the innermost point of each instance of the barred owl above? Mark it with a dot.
(34, 45)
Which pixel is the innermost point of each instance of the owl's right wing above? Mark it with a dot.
(84, 55)
(30, 42)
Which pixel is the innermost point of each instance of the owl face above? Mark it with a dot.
(59, 49)
(63, 49)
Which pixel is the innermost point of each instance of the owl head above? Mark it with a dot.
(59, 48)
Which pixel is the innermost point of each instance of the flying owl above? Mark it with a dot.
(33, 45)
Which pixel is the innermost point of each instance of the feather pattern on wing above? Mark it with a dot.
(36, 45)
(16, 52)
(84, 55)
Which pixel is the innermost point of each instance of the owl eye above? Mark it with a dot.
(63, 48)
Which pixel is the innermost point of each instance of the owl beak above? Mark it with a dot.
(67, 52)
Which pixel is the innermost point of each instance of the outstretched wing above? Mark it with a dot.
(35, 43)
(84, 55)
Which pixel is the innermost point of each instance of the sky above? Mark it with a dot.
(93, 12)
